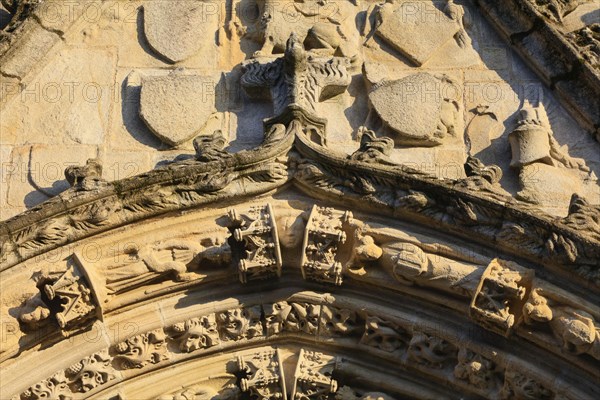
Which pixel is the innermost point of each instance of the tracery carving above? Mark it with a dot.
(324, 234)
(73, 298)
(257, 232)
(292, 317)
(384, 335)
(521, 387)
(263, 375)
(500, 296)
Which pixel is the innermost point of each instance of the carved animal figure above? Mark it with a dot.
(323, 25)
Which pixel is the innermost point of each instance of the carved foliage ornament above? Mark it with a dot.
(262, 373)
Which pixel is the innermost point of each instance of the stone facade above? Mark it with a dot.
(206, 199)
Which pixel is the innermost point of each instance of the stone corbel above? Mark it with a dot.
(72, 300)
(257, 232)
(500, 296)
(323, 236)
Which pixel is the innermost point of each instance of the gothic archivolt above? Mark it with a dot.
(304, 265)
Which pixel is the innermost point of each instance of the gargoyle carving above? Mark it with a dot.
(325, 27)
(211, 148)
(373, 149)
(85, 177)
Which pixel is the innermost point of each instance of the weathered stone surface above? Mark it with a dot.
(71, 100)
(36, 42)
(178, 30)
(416, 29)
(415, 109)
(176, 107)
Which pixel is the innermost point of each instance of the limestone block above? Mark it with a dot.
(119, 164)
(9, 87)
(32, 48)
(37, 172)
(68, 102)
(59, 15)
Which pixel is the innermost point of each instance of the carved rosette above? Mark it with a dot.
(74, 297)
(324, 234)
(264, 378)
(257, 232)
(313, 377)
(502, 292)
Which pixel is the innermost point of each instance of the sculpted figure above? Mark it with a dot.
(547, 174)
(409, 264)
(176, 257)
(576, 330)
(324, 26)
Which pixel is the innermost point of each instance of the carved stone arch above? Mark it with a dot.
(297, 268)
